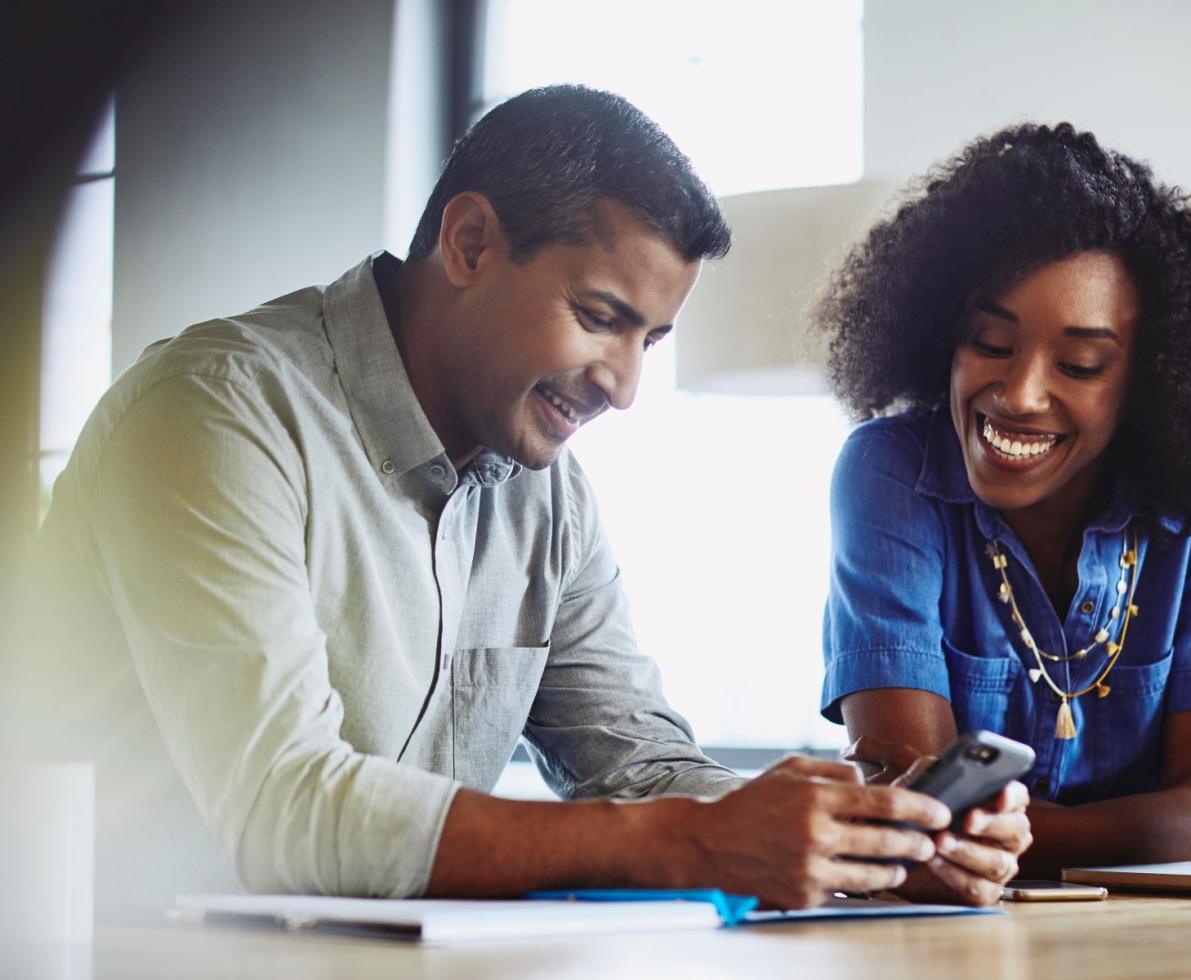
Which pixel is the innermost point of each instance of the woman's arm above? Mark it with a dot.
(1143, 828)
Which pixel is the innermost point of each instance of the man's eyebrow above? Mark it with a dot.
(623, 309)
(1093, 333)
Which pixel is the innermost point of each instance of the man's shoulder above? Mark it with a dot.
(281, 334)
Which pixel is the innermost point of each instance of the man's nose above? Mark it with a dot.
(618, 372)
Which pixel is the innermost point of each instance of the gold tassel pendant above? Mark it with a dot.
(1065, 724)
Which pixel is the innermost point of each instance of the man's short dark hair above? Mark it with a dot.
(546, 158)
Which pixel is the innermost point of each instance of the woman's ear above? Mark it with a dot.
(469, 238)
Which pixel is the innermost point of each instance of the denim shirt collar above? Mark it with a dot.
(944, 477)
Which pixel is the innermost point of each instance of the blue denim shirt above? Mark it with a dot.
(912, 604)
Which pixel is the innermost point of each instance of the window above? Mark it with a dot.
(716, 505)
(76, 347)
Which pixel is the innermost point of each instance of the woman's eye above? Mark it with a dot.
(990, 350)
(1082, 370)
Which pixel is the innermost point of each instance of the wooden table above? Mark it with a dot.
(1126, 936)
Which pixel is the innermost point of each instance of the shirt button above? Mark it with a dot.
(387, 466)
(1042, 786)
(1087, 607)
(437, 470)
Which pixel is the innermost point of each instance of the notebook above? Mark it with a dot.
(1175, 876)
(459, 920)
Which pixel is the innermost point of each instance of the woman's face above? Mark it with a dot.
(1039, 382)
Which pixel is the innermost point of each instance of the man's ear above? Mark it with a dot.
(469, 237)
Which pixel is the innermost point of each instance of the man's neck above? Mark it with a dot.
(415, 311)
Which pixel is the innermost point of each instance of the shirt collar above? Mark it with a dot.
(945, 477)
(394, 430)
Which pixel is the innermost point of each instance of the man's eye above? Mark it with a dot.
(599, 322)
(990, 350)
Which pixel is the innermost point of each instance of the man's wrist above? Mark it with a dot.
(659, 835)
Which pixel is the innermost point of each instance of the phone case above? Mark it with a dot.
(974, 768)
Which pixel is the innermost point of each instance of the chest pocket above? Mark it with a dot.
(980, 689)
(492, 689)
(1128, 726)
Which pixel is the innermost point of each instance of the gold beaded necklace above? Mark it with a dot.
(1065, 723)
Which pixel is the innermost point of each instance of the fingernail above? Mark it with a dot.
(947, 844)
(899, 877)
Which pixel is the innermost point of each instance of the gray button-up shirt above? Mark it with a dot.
(281, 612)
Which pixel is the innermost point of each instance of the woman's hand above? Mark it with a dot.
(972, 866)
(968, 867)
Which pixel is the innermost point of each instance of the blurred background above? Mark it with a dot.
(163, 165)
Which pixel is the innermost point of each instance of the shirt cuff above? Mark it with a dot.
(864, 670)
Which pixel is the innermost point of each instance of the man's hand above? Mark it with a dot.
(802, 829)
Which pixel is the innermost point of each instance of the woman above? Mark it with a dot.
(1010, 548)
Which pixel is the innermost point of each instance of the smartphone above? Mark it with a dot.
(972, 769)
(1022, 890)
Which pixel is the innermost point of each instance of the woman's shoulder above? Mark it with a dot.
(892, 445)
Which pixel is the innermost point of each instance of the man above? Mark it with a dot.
(315, 569)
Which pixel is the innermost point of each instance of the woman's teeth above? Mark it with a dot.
(1017, 446)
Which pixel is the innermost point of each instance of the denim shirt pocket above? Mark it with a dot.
(492, 689)
(980, 688)
(1128, 726)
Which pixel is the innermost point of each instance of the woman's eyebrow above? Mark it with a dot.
(995, 309)
(1093, 333)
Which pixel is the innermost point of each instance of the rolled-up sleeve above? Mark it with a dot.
(882, 626)
(599, 725)
(197, 515)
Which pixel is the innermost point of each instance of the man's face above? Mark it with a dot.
(550, 343)
(1038, 386)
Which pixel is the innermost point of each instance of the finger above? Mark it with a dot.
(991, 863)
(859, 878)
(1010, 831)
(807, 767)
(889, 803)
(870, 841)
(917, 769)
(967, 887)
(871, 748)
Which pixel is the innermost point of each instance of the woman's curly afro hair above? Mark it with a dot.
(1006, 205)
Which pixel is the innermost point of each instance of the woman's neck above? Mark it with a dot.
(1052, 533)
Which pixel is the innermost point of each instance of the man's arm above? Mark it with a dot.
(787, 836)
(196, 506)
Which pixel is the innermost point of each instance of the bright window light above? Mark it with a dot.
(759, 94)
(716, 506)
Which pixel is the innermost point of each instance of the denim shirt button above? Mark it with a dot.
(1042, 785)
(1087, 607)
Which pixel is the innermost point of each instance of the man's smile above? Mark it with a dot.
(568, 413)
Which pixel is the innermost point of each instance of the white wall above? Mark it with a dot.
(938, 72)
(254, 156)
